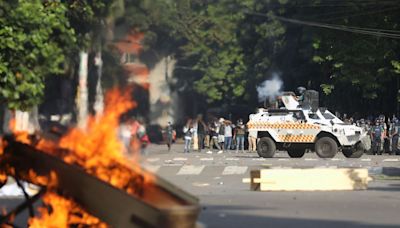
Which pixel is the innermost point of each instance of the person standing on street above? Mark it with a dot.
(188, 131)
(143, 137)
(252, 138)
(207, 137)
(214, 137)
(228, 135)
(377, 137)
(195, 138)
(240, 131)
(221, 132)
(201, 132)
(395, 136)
(384, 141)
(170, 135)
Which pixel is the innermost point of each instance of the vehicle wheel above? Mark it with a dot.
(266, 147)
(356, 152)
(326, 147)
(296, 153)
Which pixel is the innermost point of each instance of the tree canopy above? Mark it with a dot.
(44, 43)
(32, 46)
(346, 49)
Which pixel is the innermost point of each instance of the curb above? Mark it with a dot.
(389, 171)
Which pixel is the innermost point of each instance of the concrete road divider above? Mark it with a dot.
(315, 179)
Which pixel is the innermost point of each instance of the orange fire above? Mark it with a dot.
(132, 43)
(3, 178)
(64, 212)
(21, 136)
(59, 211)
(2, 145)
(98, 151)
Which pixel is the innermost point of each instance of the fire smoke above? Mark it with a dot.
(270, 88)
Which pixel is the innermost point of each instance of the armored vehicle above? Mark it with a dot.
(300, 125)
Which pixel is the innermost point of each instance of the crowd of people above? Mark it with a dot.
(132, 133)
(217, 136)
(220, 135)
(383, 132)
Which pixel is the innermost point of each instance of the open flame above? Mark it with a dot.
(64, 212)
(20, 136)
(99, 151)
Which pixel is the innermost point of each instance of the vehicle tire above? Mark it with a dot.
(266, 147)
(356, 152)
(296, 153)
(326, 147)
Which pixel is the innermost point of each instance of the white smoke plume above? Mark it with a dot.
(270, 88)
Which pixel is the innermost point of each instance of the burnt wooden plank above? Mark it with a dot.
(163, 205)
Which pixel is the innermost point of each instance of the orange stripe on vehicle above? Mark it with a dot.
(266, 125)
(296, 138)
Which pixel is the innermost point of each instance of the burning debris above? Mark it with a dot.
(85, 171)
(3, 178)
(64, 213)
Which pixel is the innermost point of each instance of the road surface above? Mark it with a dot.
(216, 179)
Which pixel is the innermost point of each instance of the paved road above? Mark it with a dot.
(227, 202)
(216, 179)
(159, 160)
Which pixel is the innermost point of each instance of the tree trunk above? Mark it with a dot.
(82, 99)
(99, 99)
(7, 116)
(24, 121)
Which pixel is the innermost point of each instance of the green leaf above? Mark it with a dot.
(318, 59)
(327, 89)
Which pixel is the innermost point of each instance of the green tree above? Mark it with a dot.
(359, 67)
(32, 46)
(230, 49)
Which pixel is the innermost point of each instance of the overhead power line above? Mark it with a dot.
(341, 14)
(363, 14)
(340, 4)
(394, 34)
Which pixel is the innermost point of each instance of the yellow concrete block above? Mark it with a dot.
(318, 179)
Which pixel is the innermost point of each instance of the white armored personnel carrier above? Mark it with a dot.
(298, 126)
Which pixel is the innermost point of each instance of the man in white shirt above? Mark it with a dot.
(228, 135)
(252, 138)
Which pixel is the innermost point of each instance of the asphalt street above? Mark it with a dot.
(216, 179)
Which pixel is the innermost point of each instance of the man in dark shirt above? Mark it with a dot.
(201, 131)
(170, 133)
(377, 136)
(240, 131)
(213, 137)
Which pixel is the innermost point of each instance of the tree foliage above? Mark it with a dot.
(46, 42)
(360, 68)
(235, 45)
(32, 46)
(230, 50)
(224, 48)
